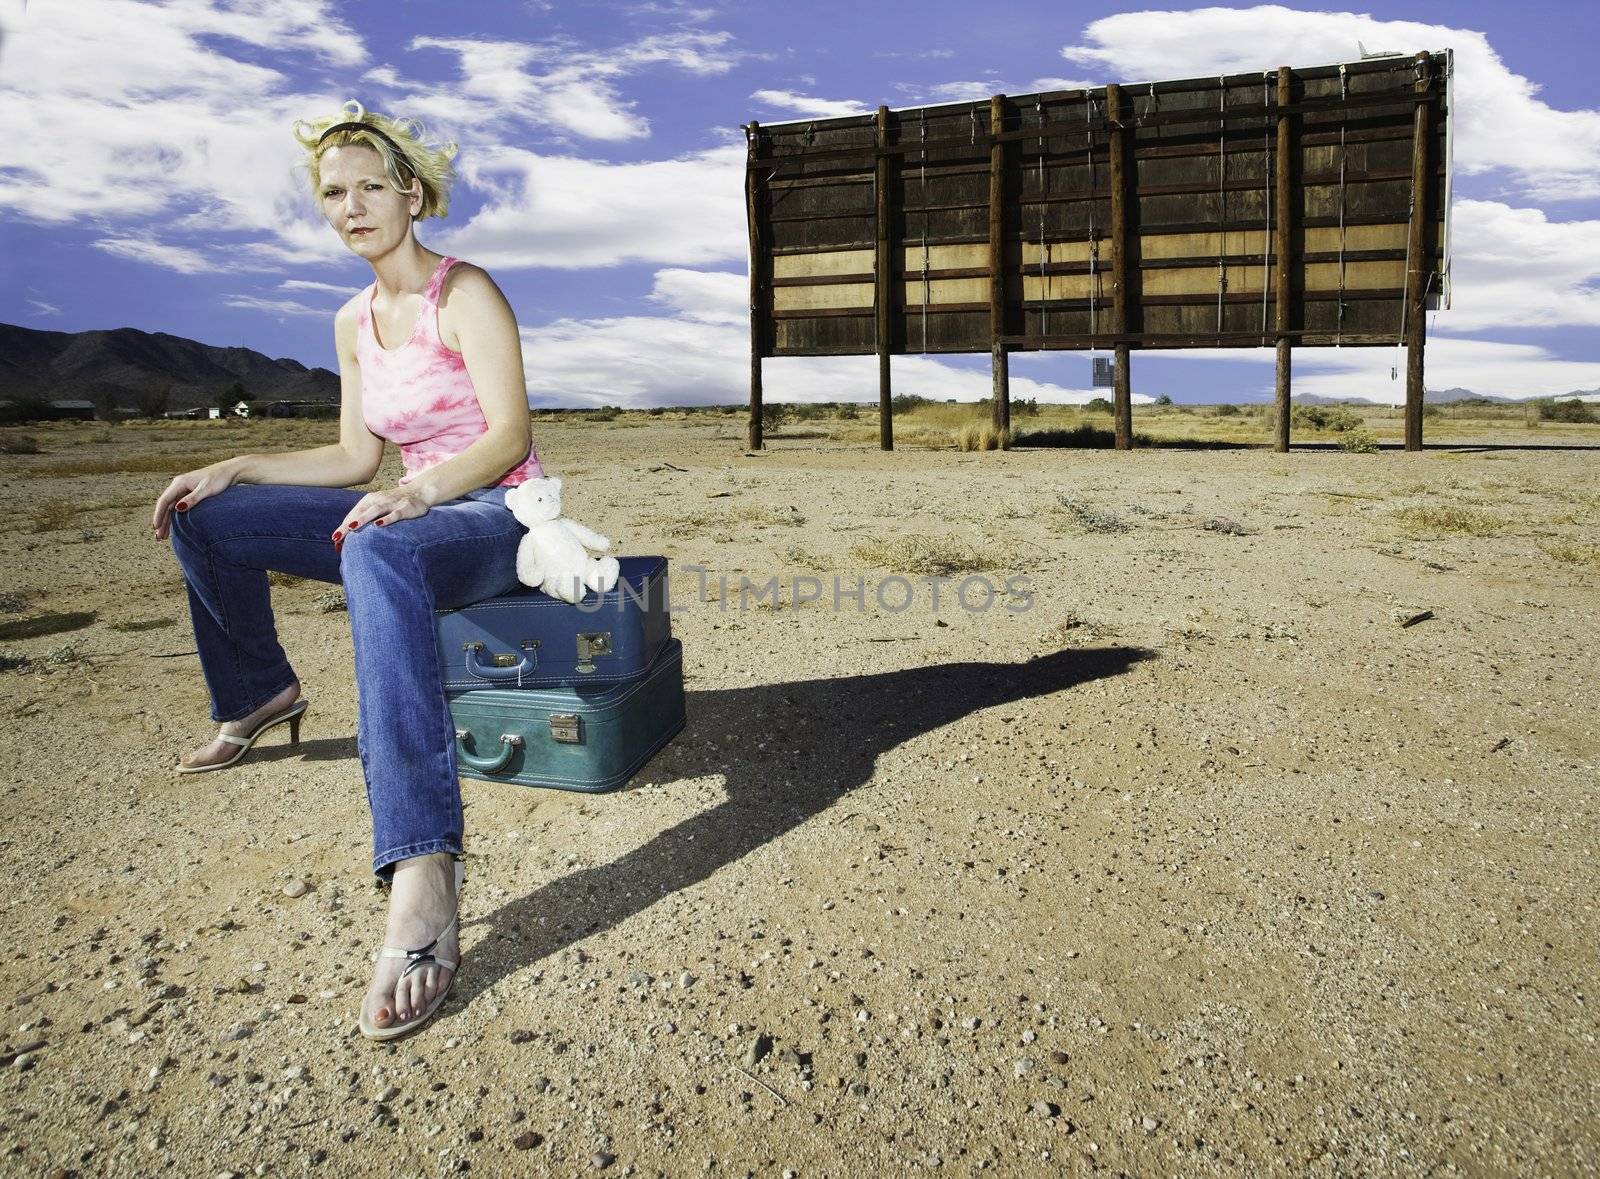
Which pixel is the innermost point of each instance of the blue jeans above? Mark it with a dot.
(458, 552)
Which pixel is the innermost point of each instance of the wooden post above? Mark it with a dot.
(1121, 255)
(1419, 249)
(884, 270)
(1282, 244)
(753, 188)
(999, 362)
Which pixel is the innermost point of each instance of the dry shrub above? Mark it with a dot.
(936, 556)
(12, 443)
(982, 436)
(757, 514)
(1573, 553)
(1437, 520)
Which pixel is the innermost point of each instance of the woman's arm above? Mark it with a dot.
(350, 461)
(486, 328)
(353, 459)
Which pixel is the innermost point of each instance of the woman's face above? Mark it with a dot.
(368, 214)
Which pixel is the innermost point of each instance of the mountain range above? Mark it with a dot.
(125, 364)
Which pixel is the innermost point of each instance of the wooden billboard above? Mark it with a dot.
(1291, 207)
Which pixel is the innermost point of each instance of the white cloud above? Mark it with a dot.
(684, 210)
(1484, 366)
(120, 111)
(1499, 121)
(1516, 267)
(704, 296)
(42, 308)
(559, 84)
(278, 307)
(305, 284)
(804, 106)
(702, 356)
(147, 249)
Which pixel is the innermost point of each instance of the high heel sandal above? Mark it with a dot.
(292, 714)
(423, 957)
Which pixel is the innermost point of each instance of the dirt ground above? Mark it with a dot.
(1201, 863)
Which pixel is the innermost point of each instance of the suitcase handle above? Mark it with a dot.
(502, 667)
(488, 765)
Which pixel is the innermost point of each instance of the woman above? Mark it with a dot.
(430, 358)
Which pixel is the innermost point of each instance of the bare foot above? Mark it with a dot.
(220, 750)
(421, 903)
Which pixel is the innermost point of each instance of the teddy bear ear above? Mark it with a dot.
(555, 482)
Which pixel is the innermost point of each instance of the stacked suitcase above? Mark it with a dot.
(572, 697)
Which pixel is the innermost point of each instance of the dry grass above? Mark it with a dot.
(1448, 520)
(275, 577)
(1076, 515)
(1573, 553)
(61, 513)
(13, 443)
(795, 555)
(173, 463)
(936, 556)
(760, 515)
(982, 436)
(135, 626)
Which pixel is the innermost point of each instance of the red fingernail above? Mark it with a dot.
(380, 523)
(183, 507)
(353, 527)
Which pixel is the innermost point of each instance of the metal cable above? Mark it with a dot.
(1222, 197)
(1405, 281)
(1094, 236)
(925, 284)
(1266, 184)
(1044, 274)
(1338, 330)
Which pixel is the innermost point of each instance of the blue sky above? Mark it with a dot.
(152, 182)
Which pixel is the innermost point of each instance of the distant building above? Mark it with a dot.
(79, 410)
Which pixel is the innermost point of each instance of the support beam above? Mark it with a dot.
(1122, 267)
(884, 299)
(753, 188)
(1285, 209)
(1000, 365)
(1419, 249)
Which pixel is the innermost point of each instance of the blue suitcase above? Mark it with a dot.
(528, 639)
(590, 737)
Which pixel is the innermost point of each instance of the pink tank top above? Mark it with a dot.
(419, 395)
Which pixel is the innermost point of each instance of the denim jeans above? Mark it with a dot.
(458, 552)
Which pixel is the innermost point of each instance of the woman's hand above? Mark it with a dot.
(188, 489)
(380, 508)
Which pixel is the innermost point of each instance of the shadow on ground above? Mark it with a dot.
(829, 734)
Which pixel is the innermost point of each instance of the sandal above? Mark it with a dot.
(292, 714)
(421, 957)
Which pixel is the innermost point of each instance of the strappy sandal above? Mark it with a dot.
(423, 957)
(292, 714)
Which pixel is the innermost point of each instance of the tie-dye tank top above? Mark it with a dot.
(419, 394)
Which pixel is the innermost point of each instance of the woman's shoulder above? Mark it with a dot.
(467, 277)
(468, 289)
(347, 320)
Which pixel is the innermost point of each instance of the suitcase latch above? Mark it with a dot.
(564, 727)
(590, 644)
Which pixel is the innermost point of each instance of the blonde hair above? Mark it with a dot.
(429, 163)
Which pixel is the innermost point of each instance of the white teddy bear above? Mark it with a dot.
(554, 555)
